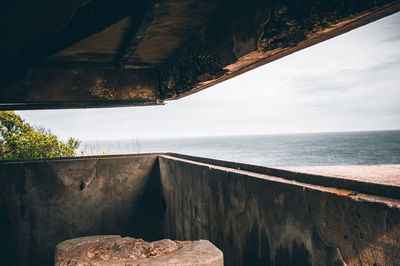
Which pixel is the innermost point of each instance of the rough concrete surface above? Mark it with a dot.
(118, 251)
(45, 202)
(254, 215)
(95, 50)
(258, 219)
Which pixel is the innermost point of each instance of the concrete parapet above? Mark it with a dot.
(257, 218)
(254, 215)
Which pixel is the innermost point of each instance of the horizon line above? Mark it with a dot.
(240, 135)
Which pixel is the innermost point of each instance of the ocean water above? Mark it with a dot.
(316, 149)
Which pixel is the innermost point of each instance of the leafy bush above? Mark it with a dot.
(19, 140)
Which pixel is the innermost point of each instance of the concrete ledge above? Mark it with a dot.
(261, 219)
(354, 185)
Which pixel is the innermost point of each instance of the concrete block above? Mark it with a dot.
(114, 250)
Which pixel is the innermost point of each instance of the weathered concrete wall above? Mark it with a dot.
(259, 219)
(45, 202)
(255, 215)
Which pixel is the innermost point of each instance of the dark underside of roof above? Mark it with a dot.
(102, 53)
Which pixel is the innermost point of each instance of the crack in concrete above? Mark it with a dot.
(83, 185)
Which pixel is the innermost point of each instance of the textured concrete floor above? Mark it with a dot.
(383, 174)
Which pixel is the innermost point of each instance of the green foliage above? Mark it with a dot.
(19, 140)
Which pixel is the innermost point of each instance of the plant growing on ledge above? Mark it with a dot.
(19, 140)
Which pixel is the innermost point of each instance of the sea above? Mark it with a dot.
(281, 150)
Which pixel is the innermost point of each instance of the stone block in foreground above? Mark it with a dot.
(114, 250)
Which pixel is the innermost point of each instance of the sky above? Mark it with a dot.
(348, 83)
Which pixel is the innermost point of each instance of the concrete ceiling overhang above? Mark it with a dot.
(103, 53)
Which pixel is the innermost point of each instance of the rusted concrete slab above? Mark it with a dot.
(188, 45)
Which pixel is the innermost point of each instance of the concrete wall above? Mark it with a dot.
(259, 219)
(45, 202)
(255, 215)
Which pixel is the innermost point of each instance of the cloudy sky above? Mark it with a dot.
(349, 83)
